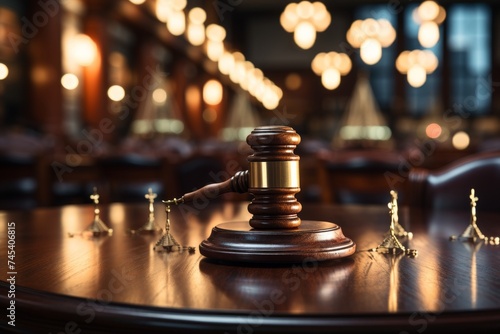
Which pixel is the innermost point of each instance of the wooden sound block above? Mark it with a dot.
(239, 242)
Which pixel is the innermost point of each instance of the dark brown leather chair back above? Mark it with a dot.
(357, 177)
(449, 187)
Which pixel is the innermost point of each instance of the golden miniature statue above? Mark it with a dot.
(167, 242)
(391, 244)
(150, 225)
(472, 232)
(398, 229)
(97, 227)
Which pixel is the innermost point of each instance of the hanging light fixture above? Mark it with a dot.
(196, 29)
(171, 12)
(4, 71)
(176, 23)
(304, 20)
(215, 41)
(370, 36)
(304, 35)
(370, 51)
(417, 64)
(232, 64)
(429, 15)
(331, 66)
(212, 92)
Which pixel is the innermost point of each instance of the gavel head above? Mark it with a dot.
(273, 178)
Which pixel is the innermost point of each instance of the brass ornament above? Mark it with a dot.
(97, 228)
(150, 225)
(391, 244)
(167, 242)
(472, 233)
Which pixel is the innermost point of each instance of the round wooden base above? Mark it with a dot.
(312, 240)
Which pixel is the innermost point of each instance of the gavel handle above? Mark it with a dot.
(238, 183)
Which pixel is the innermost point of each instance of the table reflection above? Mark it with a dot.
(282, 287)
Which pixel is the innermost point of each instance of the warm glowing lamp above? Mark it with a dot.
(370, 36)
(293, 81)
(69, 81)
(429, 15)
(214, 50)
(116, 93)
(196, 30)
(370, 51)
(192, 98)
(163, 10)
(159, 96)
(178, 5)
(330, 78)
(195, 34)
(235, 74)
(215, 32)
(254, 81)
(428, 34)
(433, 130)
(321, 17)
(83, 49)
(4, 71)
(416, 64)
(176, 23)
(331, 66)
(460, 140)
(304, 20)
(304, 35)
(215, 41)
(212, 92)
(428, 11)
(226, 63)
(271, 95)
(416, 76)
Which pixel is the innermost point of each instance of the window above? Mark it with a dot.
(469, 43)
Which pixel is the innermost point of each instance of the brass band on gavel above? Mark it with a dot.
(274, 174)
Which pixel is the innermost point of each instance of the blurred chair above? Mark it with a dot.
(127, 177)
(69, 178)
(357, 177)
(449, 187)
(136, 164)
(18, 181)
(489, 145)
(21, 153)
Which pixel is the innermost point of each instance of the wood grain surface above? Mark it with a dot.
(120, 284)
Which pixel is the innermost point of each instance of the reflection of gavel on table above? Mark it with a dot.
(275, 232)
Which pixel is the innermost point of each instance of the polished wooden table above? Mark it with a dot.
(119, 284)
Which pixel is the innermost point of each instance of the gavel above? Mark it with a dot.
(272, 178)
(275, 233)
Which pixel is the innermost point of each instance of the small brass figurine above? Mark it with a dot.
(472, 232)
(97, 227)
(167, 242)
(391, 244)
(398, 229)
(150, 226)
